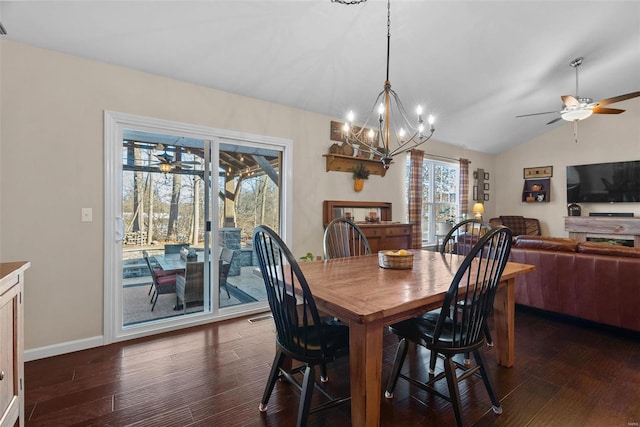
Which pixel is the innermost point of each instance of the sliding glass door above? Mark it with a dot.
(249, 182)
(165, 212)
(178, 247)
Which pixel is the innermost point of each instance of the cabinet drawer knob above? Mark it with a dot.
(1, 375)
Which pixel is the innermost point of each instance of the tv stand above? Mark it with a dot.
(581, 227)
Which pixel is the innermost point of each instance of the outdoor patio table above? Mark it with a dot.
(175, 261)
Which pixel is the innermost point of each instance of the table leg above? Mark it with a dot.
(504, 320)
(365, 352)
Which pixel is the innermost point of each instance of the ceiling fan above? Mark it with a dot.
(577, 108)
(166, 161)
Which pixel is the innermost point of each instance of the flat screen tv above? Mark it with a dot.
(604, 182)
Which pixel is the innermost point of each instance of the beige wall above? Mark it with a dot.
(52, 166)
(601, 138)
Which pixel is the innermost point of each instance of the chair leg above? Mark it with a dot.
(155, 300)
(227, 289)
(487, 334)
(467, 360)
(401, 353)
(481, 362)
(432, 362)
(273, 377)
(454, 391)
(224, 283)
(305, 397)
(323, 373)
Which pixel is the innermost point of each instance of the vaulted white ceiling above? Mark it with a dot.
(474, 64)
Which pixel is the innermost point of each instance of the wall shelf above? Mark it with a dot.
(536, 190)
(342, 163)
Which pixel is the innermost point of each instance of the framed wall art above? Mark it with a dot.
(538, 172)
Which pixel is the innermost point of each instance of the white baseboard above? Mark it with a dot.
(62, 348)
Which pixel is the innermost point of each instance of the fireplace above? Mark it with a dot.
(620, 242)
(623, 229)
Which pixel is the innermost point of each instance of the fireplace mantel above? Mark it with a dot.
(581, 227)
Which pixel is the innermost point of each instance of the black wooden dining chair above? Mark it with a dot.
(460, 240)
(343, 238)
(458, 327)
(301, 334)
(463, 236)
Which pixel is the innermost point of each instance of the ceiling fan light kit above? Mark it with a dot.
(576, 108)
(577, 114)
(165, 167)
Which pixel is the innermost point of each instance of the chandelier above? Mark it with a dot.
(396, 133)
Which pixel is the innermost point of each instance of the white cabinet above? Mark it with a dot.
(12, 343)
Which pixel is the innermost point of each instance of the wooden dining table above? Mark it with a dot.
(366, 297)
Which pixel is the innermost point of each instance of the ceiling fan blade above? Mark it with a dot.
(536, 114)
(164, 157)
(182, 165)
(617, 99)
(600, 110)
(554, 120)
(569, 101)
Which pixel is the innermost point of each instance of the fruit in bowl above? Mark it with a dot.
(398, 252)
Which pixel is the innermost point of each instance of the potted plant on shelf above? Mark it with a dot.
(360, 173)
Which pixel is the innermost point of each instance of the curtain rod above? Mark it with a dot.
(446, 158)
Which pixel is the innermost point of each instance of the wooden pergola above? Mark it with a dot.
(236, 163)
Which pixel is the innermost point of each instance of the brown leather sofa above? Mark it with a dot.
(518, 224)
(592, 281)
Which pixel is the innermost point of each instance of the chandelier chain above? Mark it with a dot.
(348, 2)
(388, 35)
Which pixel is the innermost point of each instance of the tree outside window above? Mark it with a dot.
(439, 196)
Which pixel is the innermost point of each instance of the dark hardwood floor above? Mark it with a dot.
(566, 374)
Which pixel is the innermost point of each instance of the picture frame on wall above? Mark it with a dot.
(486, 176)
(486, 186)
(538, 172)
(486, 197)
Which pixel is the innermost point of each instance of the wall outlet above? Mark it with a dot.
(87, 214)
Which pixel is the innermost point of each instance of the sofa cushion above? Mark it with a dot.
(517, 224)
(560, 244)
(599, 248)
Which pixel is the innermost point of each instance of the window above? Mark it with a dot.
(440, 182)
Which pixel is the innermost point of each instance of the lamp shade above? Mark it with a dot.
(478, 209)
